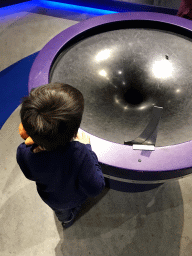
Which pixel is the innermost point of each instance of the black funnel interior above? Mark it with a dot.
(133, 96)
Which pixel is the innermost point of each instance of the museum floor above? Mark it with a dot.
(152, 223)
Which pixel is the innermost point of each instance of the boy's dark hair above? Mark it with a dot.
(52, 114)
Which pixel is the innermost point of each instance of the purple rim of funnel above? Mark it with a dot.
(174, 157)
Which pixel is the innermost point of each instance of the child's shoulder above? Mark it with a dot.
(77, 146)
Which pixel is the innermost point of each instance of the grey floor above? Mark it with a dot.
(152, 223)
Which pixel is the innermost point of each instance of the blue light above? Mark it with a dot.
(11, 9)
(71, 7)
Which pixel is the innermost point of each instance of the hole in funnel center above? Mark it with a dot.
(133, 96)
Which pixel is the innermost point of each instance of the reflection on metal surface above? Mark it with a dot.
(103, 73)
(162, 69)
(178, 90)
(103, 55)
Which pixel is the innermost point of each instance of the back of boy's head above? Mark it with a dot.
(52, 114)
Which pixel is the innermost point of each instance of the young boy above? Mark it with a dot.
(60, 161)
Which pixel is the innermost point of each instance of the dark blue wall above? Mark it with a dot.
(118, 6)
(4, 3)
(14, 86)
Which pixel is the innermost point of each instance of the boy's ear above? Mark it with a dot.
(24, 135)
(22, 132)
(29, 141)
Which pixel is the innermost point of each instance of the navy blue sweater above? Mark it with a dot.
(65, 177)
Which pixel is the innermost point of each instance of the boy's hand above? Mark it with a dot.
(83, 138)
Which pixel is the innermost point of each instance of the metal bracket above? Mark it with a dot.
(149, 135)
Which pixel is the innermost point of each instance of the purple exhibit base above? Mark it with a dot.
(124, 168)
(124, 180)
